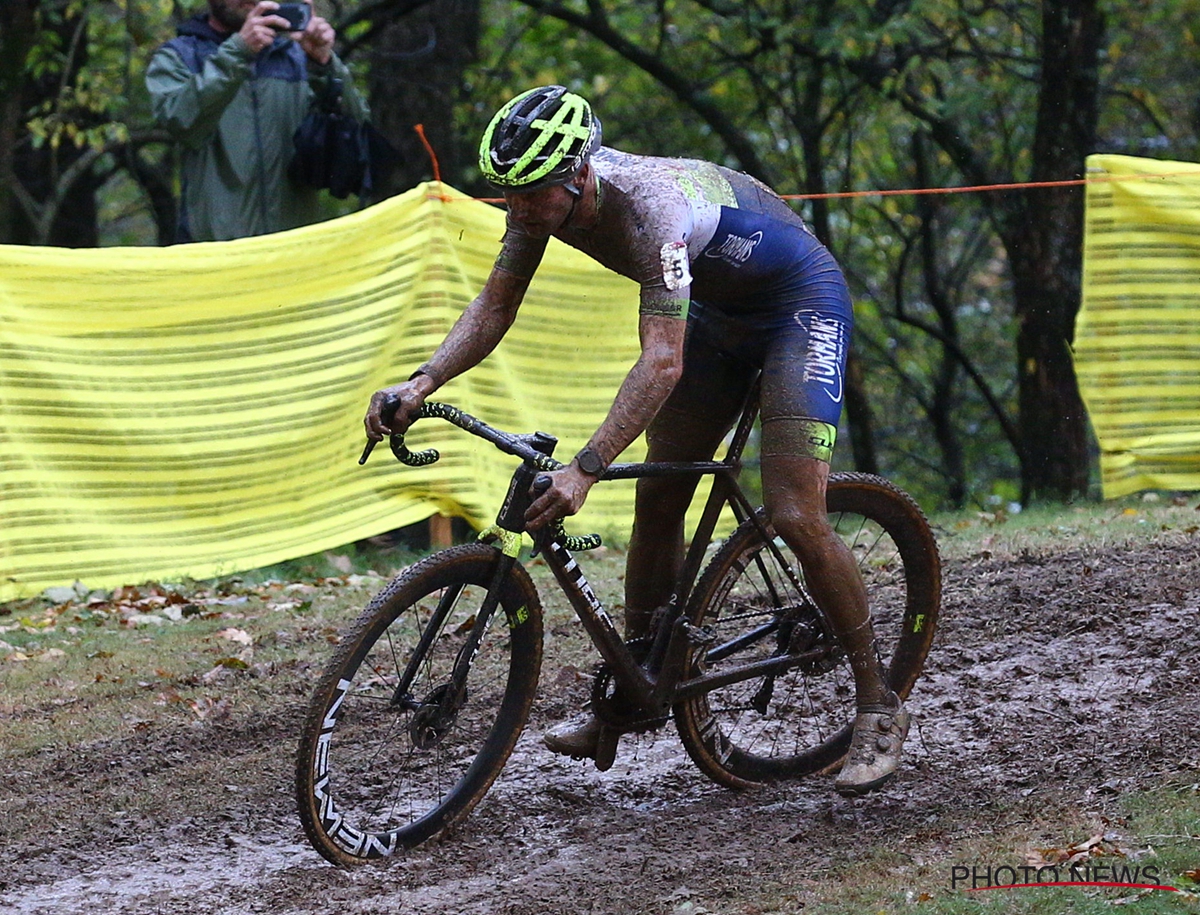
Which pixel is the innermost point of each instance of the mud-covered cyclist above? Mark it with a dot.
(731, 282)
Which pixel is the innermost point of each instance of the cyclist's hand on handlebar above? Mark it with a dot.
(565, 496)
(393, 409)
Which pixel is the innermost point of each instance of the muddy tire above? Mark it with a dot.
(771, 728)
(382, 768)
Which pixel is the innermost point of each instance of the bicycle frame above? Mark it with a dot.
(659, 680)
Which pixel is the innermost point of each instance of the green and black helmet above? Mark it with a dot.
(539, 139)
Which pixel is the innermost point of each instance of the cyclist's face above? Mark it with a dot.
(540, 213)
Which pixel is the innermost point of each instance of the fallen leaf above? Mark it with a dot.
(210, 708)
(236, 635)
(143, 619)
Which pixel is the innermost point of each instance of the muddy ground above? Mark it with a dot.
(1056, 684)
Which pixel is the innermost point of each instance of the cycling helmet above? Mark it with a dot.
(539, 139)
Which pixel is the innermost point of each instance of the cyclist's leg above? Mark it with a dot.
(794, 498)
(802, 391)
(703, 406)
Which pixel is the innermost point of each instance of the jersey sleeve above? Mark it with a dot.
(668, 292)
(662, 262)
(520, 253)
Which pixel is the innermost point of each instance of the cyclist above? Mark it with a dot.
(731, 281)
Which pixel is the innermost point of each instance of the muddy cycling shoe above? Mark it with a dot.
(879, 732)
(584, 737)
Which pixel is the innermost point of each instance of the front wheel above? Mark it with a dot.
(797, 719)
(393, 749)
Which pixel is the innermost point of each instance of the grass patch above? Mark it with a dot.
(77, 666)
(97, 666)
(1051, 529)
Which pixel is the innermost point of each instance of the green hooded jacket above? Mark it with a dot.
(234, 114)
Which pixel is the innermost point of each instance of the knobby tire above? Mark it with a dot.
(766, 729)
(377, 773)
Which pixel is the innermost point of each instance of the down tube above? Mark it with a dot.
(598, 623)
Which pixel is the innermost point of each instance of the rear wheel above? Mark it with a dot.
(392, 752)
(798, 720)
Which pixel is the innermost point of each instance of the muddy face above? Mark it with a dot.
(540, 213)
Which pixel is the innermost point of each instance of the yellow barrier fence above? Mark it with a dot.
(1137, 336)
(196, 411)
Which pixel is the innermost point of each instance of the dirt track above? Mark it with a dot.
(1055, 684)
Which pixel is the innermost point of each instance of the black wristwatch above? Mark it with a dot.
(590, 462)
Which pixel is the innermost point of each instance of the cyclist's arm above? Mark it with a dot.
(665, 294)
(642, 393)
(478, 329)
(645, 388)
(474, 335)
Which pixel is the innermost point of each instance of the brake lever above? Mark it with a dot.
(367, 451)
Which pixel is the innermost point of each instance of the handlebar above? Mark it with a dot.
(521, 446)
(517, 445)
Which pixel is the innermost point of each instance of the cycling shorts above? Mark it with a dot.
(794, 326)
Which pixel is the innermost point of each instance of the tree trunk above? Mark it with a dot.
(16, 38)
(1044, 239)
(417, 68)
(70, 220)
(943, 401)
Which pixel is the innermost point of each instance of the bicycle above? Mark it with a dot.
(426, 694)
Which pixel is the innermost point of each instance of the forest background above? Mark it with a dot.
(961, 385)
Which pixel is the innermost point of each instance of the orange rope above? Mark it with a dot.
(437, 170)
(1015, 186)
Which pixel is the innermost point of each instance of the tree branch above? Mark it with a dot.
(596, 24)
(42, 214)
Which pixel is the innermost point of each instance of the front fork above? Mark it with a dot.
(435, 714)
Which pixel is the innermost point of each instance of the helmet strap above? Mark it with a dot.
(575, 196)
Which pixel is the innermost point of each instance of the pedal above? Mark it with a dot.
(606, 748)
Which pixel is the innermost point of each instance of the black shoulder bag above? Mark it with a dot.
(336, 152)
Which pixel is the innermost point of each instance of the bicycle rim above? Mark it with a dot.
(798, 722)
(381, 769)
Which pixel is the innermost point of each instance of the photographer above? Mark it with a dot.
(232, 89)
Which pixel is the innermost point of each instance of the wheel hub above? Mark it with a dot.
(434, 717)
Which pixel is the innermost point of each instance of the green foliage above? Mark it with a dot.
(95, 55)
